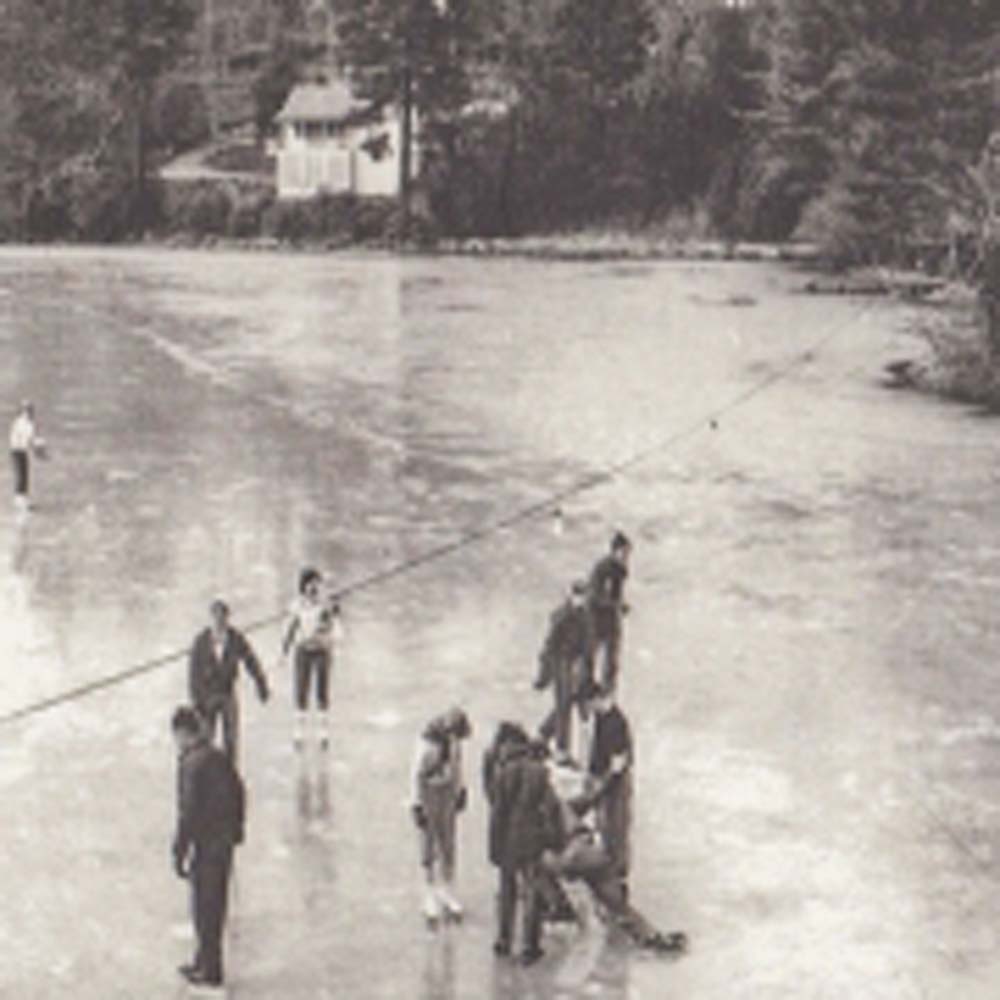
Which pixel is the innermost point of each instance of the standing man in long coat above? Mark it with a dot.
(210, 817)
(525, 821)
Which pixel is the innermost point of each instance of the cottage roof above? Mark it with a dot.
(321, 102)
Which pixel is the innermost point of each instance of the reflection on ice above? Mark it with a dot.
(313, 794)
(438, 981)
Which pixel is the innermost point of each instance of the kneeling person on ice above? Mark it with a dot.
(439, 796)
(310, 631)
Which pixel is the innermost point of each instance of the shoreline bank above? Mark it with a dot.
(569, 248)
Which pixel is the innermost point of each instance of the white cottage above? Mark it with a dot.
(330, 141)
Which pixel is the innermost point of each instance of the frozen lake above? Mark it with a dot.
(809, 663)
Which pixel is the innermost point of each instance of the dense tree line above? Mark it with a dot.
(857, 123)
(79, 82)
(876, 118)
(861, 124)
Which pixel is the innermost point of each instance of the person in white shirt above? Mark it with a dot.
(24, 441)
(310, 633)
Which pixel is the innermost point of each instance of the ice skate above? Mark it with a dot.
(431, 910)
(667, 944)
(324, 732)
(451, 908)
(206, 990)
(201, 985)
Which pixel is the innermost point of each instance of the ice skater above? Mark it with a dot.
(309, 632)
(607, 605)
(566, 663)
(25, 443)
(439, 795)
(213, 667)
(210, 817)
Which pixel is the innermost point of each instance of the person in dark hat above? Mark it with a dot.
(507, 735)
(213, 668)
(525, 821)
(606, 602)
(210, 819)
(565, 663)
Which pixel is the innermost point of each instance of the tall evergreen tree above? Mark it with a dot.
(132, 44)
(79, 80)
(869, 121)
(415, 54)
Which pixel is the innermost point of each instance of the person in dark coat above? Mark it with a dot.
(213, 668)
(525, 821)
(607, 606)
(566, 663)
(609, 778)
(509, 743)
(210, 817)
(495, 755)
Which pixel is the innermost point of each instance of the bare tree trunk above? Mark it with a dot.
(406, 150)
(505, 200)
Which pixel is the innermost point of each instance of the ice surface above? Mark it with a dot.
(809, 663)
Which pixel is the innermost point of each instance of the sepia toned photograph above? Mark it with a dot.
(502, 499)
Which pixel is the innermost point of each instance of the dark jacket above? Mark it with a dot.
(493, 758)
(610, 791)
(607, 594)
(209, 678)
(612, 738)
(570, 638)
(525, 818)
(211, 801)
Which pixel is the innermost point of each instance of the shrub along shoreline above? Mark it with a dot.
(953, 360)
(246, 214)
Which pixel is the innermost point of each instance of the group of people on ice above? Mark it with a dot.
(551, 819)
(554, 816)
